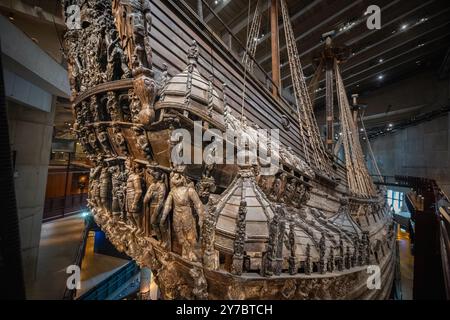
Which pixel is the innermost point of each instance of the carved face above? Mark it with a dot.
(177, 179)
(156, 175)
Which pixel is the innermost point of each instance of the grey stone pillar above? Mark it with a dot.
(31, 140)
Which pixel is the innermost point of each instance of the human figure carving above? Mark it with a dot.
(117, 62)
(134, 194)
(153, 203)
(105, 189)
(180, 200)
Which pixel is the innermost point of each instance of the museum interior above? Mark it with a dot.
(319, 167)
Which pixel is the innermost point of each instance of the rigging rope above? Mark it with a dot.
(245, 66)
(309, 131)
(369, 147)
(358, 177)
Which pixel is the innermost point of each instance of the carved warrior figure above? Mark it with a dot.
(105, 189)
(103, 138)
(118, 192)
(119, 140)
(94, 185)
(134, 194)
(117, 62)
(207, 184)
(134, 21)
(180, 200)
(153, 203)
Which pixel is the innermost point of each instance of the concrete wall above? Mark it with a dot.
(31, 136)
(422, 150)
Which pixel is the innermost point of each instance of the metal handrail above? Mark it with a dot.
(69, 294)
(112, 283)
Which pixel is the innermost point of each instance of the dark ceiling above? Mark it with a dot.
(415, 34)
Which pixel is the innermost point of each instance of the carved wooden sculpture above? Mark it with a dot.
(215, 231)
(153, 203)
(182, 197)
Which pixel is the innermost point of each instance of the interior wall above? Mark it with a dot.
(422, 150)
(31, 139)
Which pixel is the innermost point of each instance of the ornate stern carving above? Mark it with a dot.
(145, 89)
(210, 255)
(207, 184)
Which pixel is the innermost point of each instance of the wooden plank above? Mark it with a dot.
(171, 38)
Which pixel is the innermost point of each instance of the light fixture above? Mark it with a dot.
(404, 27)
(390, 125)
(380, 60)
(380, 77)
(362, 130)
(420, 45)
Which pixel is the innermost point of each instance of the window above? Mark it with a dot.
(395, 199)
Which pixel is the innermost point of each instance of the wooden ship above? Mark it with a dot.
(215, 230)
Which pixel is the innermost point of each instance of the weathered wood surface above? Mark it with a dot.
(171, 36)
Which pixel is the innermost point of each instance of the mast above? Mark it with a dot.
(308, 129)
(276, 79)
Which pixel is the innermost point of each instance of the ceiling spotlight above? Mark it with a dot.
(362, 130)
(380, 60)
(390, 125)
(380, 77)
(420, 45)
(404, 27)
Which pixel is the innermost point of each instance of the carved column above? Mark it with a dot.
(293, 249)
(238, 256)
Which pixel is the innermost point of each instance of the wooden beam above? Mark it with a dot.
(376, 44)
(275, 47)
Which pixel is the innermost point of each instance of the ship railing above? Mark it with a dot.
(115, 286)
(234, 44)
